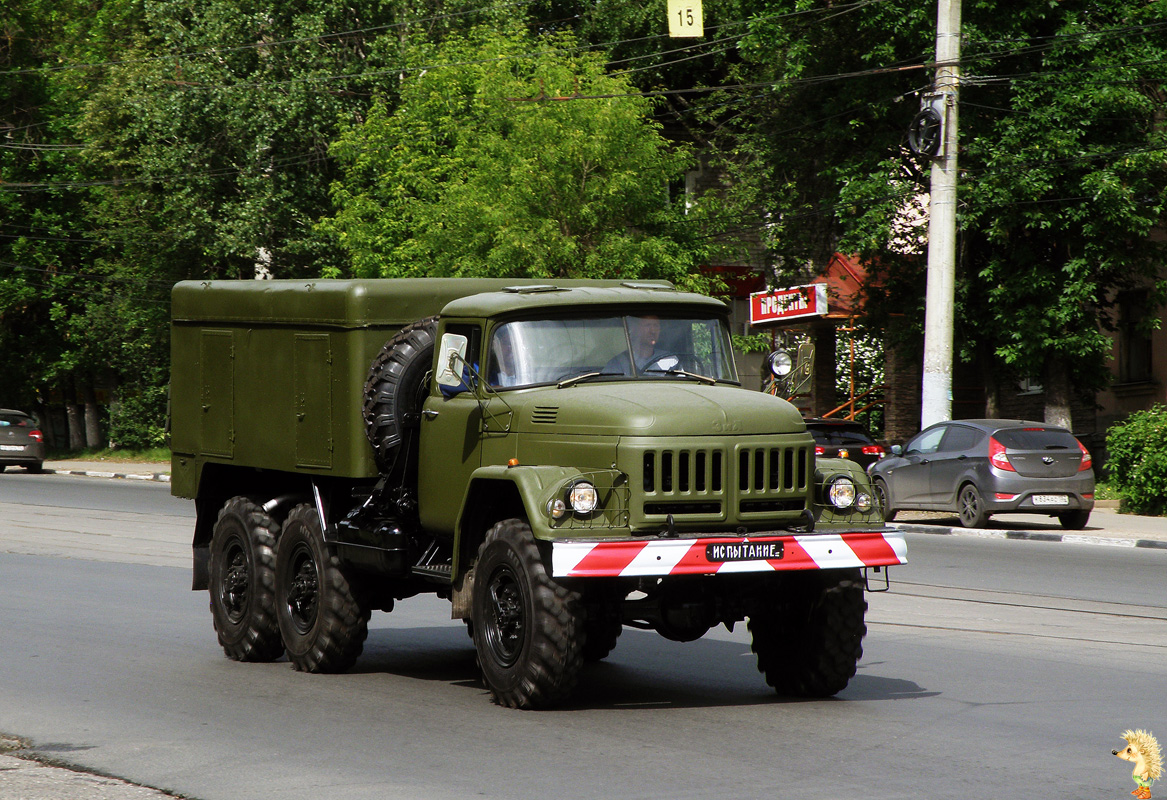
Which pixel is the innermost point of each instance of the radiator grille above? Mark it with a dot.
(711, 482)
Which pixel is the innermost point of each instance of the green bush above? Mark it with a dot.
(1137, 460)
(137, 422)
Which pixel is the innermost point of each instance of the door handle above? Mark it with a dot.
(428, 413)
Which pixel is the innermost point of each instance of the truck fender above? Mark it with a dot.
(503, 492)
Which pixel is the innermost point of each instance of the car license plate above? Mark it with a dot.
(1050, 500)
(11, 447)
(743, 551)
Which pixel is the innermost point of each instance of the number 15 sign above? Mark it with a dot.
(685, 19)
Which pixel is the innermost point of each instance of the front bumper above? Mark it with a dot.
(659, 557)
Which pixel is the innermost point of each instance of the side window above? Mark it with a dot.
(926, 442)
(960, 438)
(473, 335)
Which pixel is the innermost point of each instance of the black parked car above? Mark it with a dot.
(21, 442)
(842, 438)
(980, 467)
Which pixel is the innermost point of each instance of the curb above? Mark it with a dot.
(162, 477)
(1033, 536)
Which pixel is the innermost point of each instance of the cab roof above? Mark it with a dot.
(400, 301)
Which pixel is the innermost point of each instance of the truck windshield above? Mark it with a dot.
(649, 347)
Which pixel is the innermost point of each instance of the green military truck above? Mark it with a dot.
(558, 460)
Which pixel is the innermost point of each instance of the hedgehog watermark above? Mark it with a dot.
(1143, 750)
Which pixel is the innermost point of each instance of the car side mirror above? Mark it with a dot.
(451, 357)
(896, 450)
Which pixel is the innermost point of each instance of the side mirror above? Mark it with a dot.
(896, 450)
(451, 357)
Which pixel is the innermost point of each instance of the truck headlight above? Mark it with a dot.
(841, 492)
(582, 497)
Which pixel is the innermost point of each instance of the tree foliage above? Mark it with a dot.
(147, 142)
(1063, 166)
(488, 167)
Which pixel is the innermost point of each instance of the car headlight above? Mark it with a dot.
(841, 492)
(582, 497)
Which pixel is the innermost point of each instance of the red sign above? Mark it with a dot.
(792, 303)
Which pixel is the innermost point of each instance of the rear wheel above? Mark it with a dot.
(1074, 520)
(323, 625)
(971, 507)
(528, 630)
(809, 638)
(242, 582)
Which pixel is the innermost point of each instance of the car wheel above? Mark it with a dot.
(884, 496)
(971, 507)
(528, 629)
(36, 468)
(323, 625)
(1074, 520)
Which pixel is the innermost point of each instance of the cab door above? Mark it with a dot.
(451, 440)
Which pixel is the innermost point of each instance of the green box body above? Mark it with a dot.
(270, 374)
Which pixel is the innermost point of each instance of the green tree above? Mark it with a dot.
(1063, 159)
(488, 167)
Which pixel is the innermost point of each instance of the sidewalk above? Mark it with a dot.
(26, 779)
(130, 470)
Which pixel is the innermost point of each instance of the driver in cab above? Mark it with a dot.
(643, 335)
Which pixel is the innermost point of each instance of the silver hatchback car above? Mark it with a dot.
(21, 441)
(980, 467)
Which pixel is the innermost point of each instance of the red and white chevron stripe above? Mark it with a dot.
(659, 557)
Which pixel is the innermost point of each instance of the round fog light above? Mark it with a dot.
(582, 497)
(863, 502)
(841, 492)
(556, 508)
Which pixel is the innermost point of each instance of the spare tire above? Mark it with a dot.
(397, 385)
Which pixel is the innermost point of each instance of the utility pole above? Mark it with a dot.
(936, 397)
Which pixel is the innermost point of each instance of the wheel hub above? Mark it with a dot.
(507, 623)
(303, 594)
(235, 585)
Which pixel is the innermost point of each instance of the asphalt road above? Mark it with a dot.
(992, 668)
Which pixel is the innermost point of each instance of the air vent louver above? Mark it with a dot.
(544, 415)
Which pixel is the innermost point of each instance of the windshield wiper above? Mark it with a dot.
(674, 371)
(585, 376)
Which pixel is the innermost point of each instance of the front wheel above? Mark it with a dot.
(242, 582)
(971, 507)
(323, 625)
(808, 637)
(528, 630)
